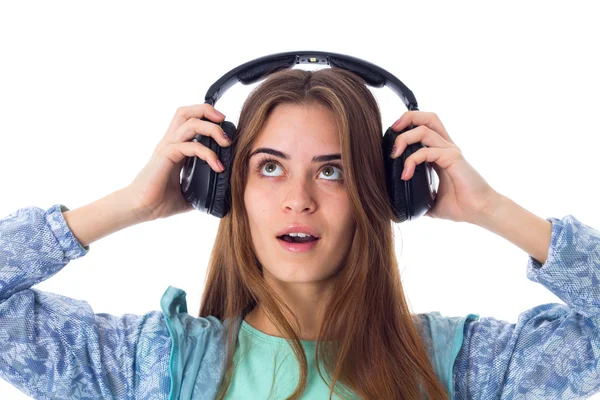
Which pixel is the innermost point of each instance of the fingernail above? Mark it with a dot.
(220, 165)
(226, 137)
(220, 113)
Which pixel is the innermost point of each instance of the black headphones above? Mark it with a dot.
(208, 191)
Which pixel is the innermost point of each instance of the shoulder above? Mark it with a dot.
(439, 328)
(443, 338)
(199, 346)
(174, 310)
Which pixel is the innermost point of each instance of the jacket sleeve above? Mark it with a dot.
(552, 351)
(55, 347)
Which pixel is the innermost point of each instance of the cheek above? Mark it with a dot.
(349, 223)
(340, 215)
(258, 202)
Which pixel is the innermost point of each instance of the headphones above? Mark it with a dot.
(208, 191)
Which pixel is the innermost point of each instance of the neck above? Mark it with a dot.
(309, 323)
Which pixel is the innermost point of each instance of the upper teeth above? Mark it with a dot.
(298, 234)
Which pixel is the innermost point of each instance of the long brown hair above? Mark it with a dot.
(368, 341)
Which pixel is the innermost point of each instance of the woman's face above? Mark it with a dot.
(295, 190)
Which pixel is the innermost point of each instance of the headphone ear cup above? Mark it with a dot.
(397, 188)
(413, 198)
(204, 188)
(221, 196)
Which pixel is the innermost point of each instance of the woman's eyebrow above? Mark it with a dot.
(280, 154)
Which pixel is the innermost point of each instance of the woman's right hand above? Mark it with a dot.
(156, 189)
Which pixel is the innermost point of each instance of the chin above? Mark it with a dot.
(296, 273)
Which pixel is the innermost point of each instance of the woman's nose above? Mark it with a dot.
(299, 197)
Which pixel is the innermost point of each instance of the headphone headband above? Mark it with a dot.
(259, 68)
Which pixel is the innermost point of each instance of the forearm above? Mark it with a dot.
(103, 217)
(526, 230)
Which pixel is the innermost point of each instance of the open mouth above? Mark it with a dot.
(297, 239)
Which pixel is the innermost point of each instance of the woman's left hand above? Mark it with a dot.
(463, 195)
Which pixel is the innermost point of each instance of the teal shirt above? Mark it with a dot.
(267, 368)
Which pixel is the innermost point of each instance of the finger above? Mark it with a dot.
(443, 157)
(199, 111)
(422, 134)
(429, 119)
(176, 152)
(193, 126)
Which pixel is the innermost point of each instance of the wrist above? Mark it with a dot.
(137, 213)
(495, 210)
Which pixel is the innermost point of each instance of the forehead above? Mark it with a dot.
(298, 127)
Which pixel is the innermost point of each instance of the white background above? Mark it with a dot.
(88, 90)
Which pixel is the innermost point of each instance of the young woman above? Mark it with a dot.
(286, 316)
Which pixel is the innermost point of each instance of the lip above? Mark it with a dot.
(298, 228)
(298, 247)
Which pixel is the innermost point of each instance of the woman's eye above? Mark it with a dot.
(269, 166)
(328, 171)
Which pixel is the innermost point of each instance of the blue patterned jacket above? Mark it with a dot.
(55, 347)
